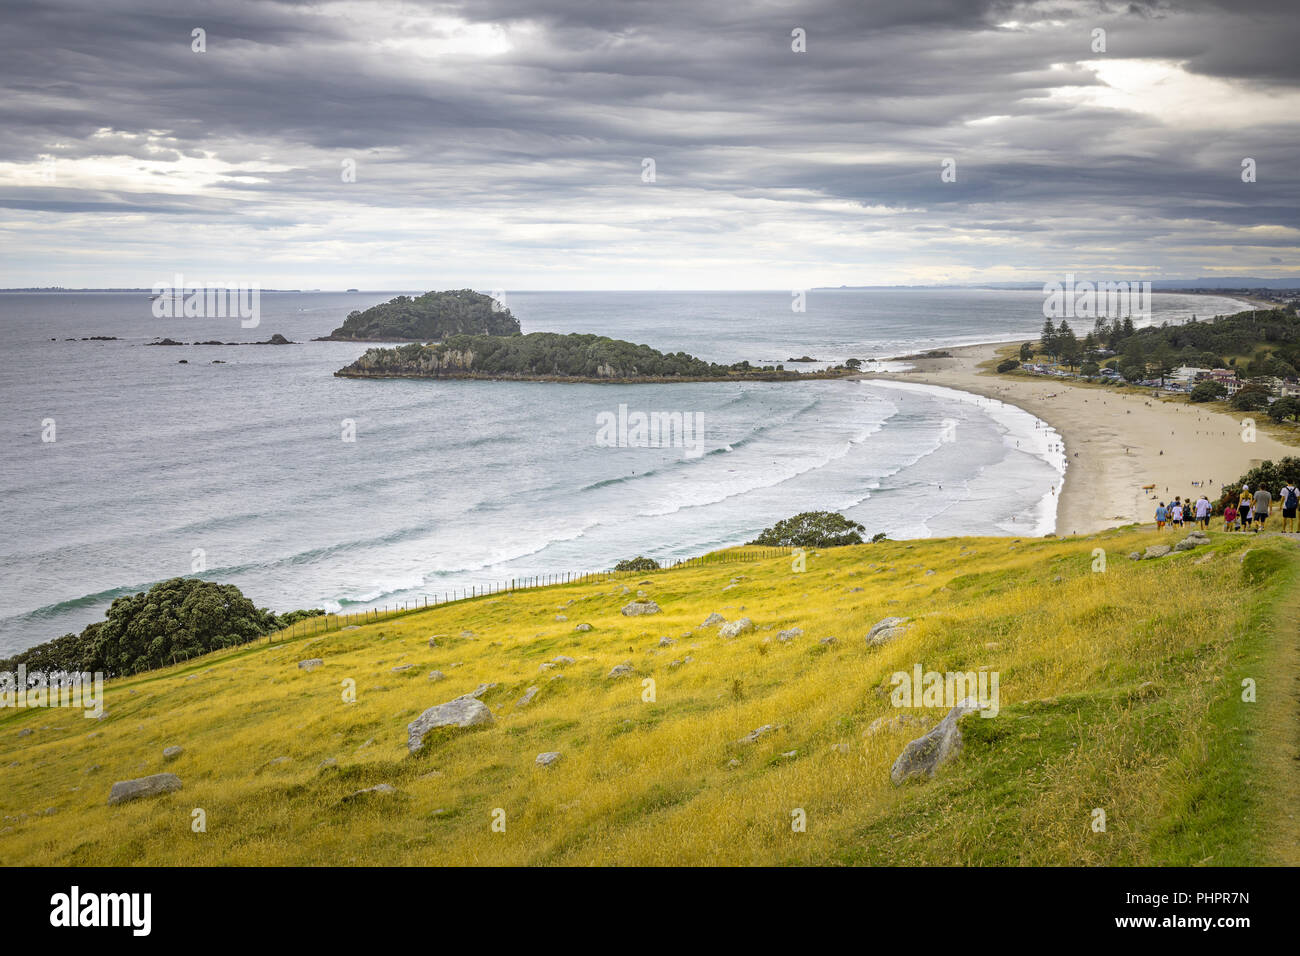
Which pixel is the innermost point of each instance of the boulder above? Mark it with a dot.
(665, 641)
(527, 698)
(402, 667)
(622, 670)
(1156, 551)
(828, 641)
(548, 758)
(1191, 541)
(437, 675)
(560, 617)
(789, 635)
(637, 608)
(480, 690)
(461, 714)
(885, 630)
(1135, 556)
(713, 620)
(561, 659)
(171, 753)
(310, 665)
(754, 735)
(152, 786)
(736, 627)
(582, 627)
(924, 755)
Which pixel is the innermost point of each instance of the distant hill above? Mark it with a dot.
(427, 318)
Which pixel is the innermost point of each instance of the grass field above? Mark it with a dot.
(1120, 691)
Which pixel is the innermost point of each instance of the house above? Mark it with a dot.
(1188, 374)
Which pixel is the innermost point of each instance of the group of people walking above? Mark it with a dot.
(1250, 510)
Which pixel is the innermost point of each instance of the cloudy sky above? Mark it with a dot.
(503, 144)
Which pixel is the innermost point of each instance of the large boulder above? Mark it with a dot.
(1192, 540)
(736, 627)
(637, 608)
(885, 630)
(924, 755)
(310, 665)
(713, 620)
(1156, 551)
(152, 786)
(461, 714)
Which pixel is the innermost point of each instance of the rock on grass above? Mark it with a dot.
(154, 785)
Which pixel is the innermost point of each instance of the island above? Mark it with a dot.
(559, 357)
(431, 317)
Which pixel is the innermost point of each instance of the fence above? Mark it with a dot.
(322, 623)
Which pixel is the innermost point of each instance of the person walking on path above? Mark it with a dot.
(1229, 517)
(1161, 514)
(1290, 497)
(1259, 508)
(1243, 507)
(1203, 513)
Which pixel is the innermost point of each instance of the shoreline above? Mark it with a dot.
(1115, 441)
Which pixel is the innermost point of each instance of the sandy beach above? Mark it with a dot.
(1116, 441)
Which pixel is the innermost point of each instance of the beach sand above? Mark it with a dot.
(1115, 441)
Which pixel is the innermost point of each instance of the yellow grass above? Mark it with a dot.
(653, 782)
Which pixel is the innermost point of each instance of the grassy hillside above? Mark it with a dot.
(1119, 690)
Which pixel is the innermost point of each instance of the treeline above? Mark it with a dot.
(547, 355)
(171, 622)
(1269, 340)
(429, 317)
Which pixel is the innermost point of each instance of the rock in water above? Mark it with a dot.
(736, 628)
(462, 713)
(885, 630)
(923, 756)
(151, 786)
(641, 607)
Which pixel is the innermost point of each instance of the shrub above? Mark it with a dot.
(812, 529)
(637, 564)
(1006, 365)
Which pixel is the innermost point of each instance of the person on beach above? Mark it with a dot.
(1229, 517)
(1203, 513)
(1259, 508)
(1161, 514)
(1290, 497)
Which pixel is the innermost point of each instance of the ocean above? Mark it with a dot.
(242, 472)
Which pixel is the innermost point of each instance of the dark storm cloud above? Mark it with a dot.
(551, 129)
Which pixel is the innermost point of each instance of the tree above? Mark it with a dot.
(1283, 409)
(812, 529)
(1047, 338)
(1067, 345)
(1162, 363)
(1208, 391)
(854, 364)
(1269, 474)
(1007, 365)
(1026, 352)
(1250, 398)
(1089, 369)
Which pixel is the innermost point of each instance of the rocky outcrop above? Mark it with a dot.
(463, 713)
(154, 785)
(637, 608)
(886, 630)
(923, 756)
(713, 620)
(1156, 551)
(310, 665)
(736, 628)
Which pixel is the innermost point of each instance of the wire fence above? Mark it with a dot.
(322, 623)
